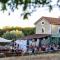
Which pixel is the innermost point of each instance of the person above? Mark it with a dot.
(17, 47)
(58, 47)
(51, 48)
(33, 50)
(43, 48)
(55, 47)
(30, 49)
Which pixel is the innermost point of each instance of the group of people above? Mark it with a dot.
(46, 48)
(52, 47)
(34, 49)
(14, 47)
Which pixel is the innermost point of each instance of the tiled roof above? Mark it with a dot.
(51, 20)
(35, 36)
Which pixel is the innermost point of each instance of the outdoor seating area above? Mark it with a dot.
(7, 52)
(44, 48)
(35, 45)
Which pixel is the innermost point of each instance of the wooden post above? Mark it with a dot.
(27, 45)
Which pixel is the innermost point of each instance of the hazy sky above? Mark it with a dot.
(15, 19)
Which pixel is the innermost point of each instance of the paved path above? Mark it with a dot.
(35, 57)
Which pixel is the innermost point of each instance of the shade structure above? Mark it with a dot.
(35, 36)
(22, 45)
(4, 40)
(55, 35)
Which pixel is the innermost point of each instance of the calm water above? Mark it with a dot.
(35, 57)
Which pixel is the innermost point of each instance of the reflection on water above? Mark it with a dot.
(34, 57)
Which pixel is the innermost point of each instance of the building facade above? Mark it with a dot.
(49, 25)
(47, 33)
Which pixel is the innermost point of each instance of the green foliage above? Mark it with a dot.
(13, 4)
(50, 7)
(13, 35)
(26, 15)
(16, 32)
(28, 31)
(4, 1)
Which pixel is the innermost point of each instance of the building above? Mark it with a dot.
(49, 25)
(47, 32)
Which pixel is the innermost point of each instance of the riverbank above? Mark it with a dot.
(54, 56)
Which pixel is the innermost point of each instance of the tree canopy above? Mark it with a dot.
(26, 31)
(13, 35)
(27, 4)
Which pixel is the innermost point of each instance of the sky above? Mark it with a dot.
(16, 20)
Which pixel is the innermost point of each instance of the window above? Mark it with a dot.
(59, 30)
(42, 22)
(42, 30)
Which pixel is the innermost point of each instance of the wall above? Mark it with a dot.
(46, 26)
(55, 29)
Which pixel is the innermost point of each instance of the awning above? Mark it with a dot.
(4, 40)
(35, 36)
(55, 35)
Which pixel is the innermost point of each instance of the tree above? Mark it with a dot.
(28, 31)
(13, 35)
(27, 4)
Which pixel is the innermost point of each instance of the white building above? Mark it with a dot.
(48, 25)
(47, 32)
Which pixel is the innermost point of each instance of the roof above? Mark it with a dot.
(51, 20)
(35, 36)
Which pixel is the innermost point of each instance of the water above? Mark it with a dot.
(34, 57)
